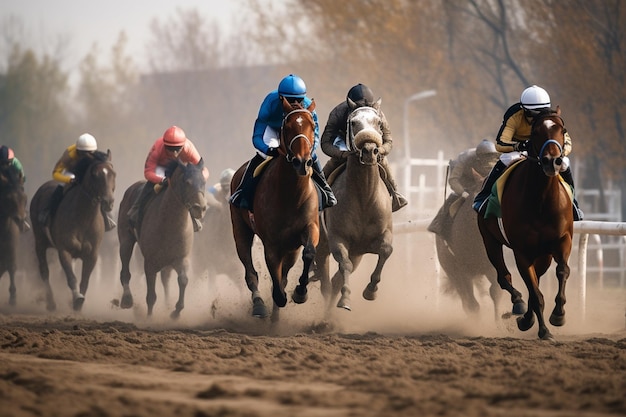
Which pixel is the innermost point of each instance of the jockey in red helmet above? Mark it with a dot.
(174, 144)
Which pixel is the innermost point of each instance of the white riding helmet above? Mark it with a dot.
(226, 176)
(86, 142)
(534, 98)
(486, 147)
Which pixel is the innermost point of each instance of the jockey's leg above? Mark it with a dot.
(48, 212)
(320, 179)
(243, 197)
(397, 200)
(135, 213)
(482, 196)
(567, 177)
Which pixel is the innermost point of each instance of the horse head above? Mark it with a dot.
(98, 179)
(190, 183)
(364, 134)
(547, 140)
(297, 136)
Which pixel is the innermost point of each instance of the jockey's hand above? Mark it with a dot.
(521, 146)
(73, 181)
(272, 152)
(345, 154)
(164, 181)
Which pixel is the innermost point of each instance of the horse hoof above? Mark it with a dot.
(299, 298)
(345, 306)
(524, 324)
(557, 319)
(519, 308)
(51, 307)
(369, 294)
(127, 301)
(258, 309)
(78, 302)
(547, 336)
(175, 314)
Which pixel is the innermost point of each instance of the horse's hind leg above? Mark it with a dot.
(341, 279)
(12, 288)
(44, 272)
(496, 257)
(369, 293)
(300, 292)
(126, 252)
(151, 296)
(72, 282)
(244, 238)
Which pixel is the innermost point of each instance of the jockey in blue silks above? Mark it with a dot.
(265, 138)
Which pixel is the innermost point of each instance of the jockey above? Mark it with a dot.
(462, 180)
(265, 138)
(172, 145)
(513, 138)
(333, 140)
(11, 167)
(220, 192)
(85, 147)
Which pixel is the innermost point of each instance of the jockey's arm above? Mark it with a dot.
(386, 131)
(60, 172)
(332, 131)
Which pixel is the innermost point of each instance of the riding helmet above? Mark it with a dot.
(534, 98)
(361, 95)
(174, 136)
(6, 153)
(86, 142)
(486, 147)
(292, 86)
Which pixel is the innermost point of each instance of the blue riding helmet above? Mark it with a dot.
(292, 86)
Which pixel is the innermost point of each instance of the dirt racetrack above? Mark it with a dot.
(412, 352)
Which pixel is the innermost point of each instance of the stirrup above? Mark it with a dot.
(398, 201)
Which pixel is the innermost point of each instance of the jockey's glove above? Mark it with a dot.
(521, 146)
(272, 152)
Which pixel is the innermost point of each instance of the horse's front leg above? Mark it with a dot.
(126, 252)
(308, 255)
(279, 280)
(44, 272)
(183, 280)
(12, 288)
(384, 252)
(493, 248)
(151, 296)
(89, 264)
(341, 279)
(557, 318)
(72, 282)
(535, 301)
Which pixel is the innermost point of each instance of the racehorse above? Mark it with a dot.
(361, 222)
(77, 227)
(463, 261)
(12, 217)
(536, 223)
(166, 231)
(285, 212)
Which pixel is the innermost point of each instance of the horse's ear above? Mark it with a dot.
(351, 104)
(109, 155)
(558, 110)
(286, 105)
(311, 106)
(200, 163)
(377, 104)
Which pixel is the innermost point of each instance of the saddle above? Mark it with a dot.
(493, 202)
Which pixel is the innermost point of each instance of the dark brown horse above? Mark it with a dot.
(12, 217)
(464, 262)
(361, 222)
(285, 212)
(536, 223)
(77, 227)
(166, 234)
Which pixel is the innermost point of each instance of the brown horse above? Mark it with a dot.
(12, 217)
(361, 222)
(77, 227)
(464, 262)
(536, 223)
(166, 234)
(285, 212)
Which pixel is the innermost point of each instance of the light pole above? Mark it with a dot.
(417, 96)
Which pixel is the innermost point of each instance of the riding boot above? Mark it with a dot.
(109, 223)
(328, 197)
(135, 213)
(482, 196)
(197, 224)
(567, 177)
(397, 200)
(243, 197)
(48, 212)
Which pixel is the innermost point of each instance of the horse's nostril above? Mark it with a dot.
(558, 161)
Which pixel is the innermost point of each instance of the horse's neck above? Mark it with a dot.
(539, 185)
(367, 176)
(171, 205)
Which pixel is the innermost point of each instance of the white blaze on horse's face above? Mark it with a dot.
(364, 126)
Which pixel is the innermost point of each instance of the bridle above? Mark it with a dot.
(289, 154)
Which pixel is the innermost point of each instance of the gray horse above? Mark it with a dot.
(361, 222)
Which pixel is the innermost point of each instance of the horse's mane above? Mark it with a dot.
(171, 167)
(86, 161)
(10, 177)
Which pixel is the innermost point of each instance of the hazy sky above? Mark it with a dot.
(85, 22)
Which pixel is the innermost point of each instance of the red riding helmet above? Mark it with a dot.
(174, 136)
